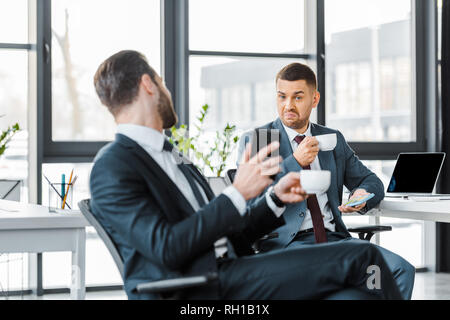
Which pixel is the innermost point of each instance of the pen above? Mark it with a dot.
(63, 185)
(68, 186)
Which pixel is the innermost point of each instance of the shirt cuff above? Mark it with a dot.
(236, 198)
(275, 209)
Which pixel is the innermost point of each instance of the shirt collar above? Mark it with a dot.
(144, 136)
(292, 133)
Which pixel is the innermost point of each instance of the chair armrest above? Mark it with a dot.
(366, 232)
(370, 229)
(176, 283)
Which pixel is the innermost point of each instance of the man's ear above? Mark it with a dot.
(148, 84)
(316, 99)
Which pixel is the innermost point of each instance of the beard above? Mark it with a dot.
(294, 123)
(297, 124)
(166, 110)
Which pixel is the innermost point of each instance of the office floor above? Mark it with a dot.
(428, 286)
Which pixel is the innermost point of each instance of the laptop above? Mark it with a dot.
(416, 174)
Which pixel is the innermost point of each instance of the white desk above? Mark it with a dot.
(33, 229)
(432, 211)
(438, 211)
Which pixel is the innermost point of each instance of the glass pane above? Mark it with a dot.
(13, 109)
(369, 70)
(239, 91)
(83, 37)
(100, 266)
(247, 26)
(14, 21)
(14, 161)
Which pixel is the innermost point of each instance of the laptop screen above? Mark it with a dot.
(416, 172)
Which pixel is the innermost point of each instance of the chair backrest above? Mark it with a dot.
(110, 245)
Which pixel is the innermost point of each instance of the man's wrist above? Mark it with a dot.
(272, 194)
(278, 211)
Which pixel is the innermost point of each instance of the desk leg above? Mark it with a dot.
(35, 273)
(375, 220)
(78, 286)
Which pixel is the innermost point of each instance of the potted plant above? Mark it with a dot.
(208, 155)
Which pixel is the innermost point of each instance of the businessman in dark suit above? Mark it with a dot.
(166, 222)
(318, 219)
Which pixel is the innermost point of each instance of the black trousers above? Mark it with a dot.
(310, 272)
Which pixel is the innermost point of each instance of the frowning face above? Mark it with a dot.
(295, 101)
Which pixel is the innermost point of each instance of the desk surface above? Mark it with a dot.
(16, 215)
(438, 210)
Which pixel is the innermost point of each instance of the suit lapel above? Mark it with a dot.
(201, 180)
(172, 194)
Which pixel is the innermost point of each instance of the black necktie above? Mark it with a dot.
(314, 208)
(190, 177)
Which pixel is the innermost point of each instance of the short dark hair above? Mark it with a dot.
(297, 71)
(118, 78)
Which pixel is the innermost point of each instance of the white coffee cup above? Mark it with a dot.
(327, 142)
(315, 181)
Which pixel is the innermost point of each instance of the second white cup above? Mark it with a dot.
(315, 181)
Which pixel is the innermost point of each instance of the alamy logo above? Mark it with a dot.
(374, 280)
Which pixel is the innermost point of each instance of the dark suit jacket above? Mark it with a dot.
(156, 230)
(346, 169)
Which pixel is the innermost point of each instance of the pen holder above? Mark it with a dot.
(54, 199)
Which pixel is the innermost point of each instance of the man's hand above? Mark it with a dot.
(253, 175)
(307, 151)
(289, 189)
(358, 193)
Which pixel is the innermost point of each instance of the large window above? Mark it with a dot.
(369, 69)
(84, 35)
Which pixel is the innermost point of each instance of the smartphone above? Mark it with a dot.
(359, 200)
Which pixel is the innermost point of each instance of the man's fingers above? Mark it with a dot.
(264, 152)
(271, 162)
(270, 170)
(311, 141)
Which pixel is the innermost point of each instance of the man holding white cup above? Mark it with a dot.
(306, 146)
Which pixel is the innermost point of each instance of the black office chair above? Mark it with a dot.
(364, 232)
(160, 287)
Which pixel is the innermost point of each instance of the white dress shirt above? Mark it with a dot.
(322, 199)
(152, 141)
